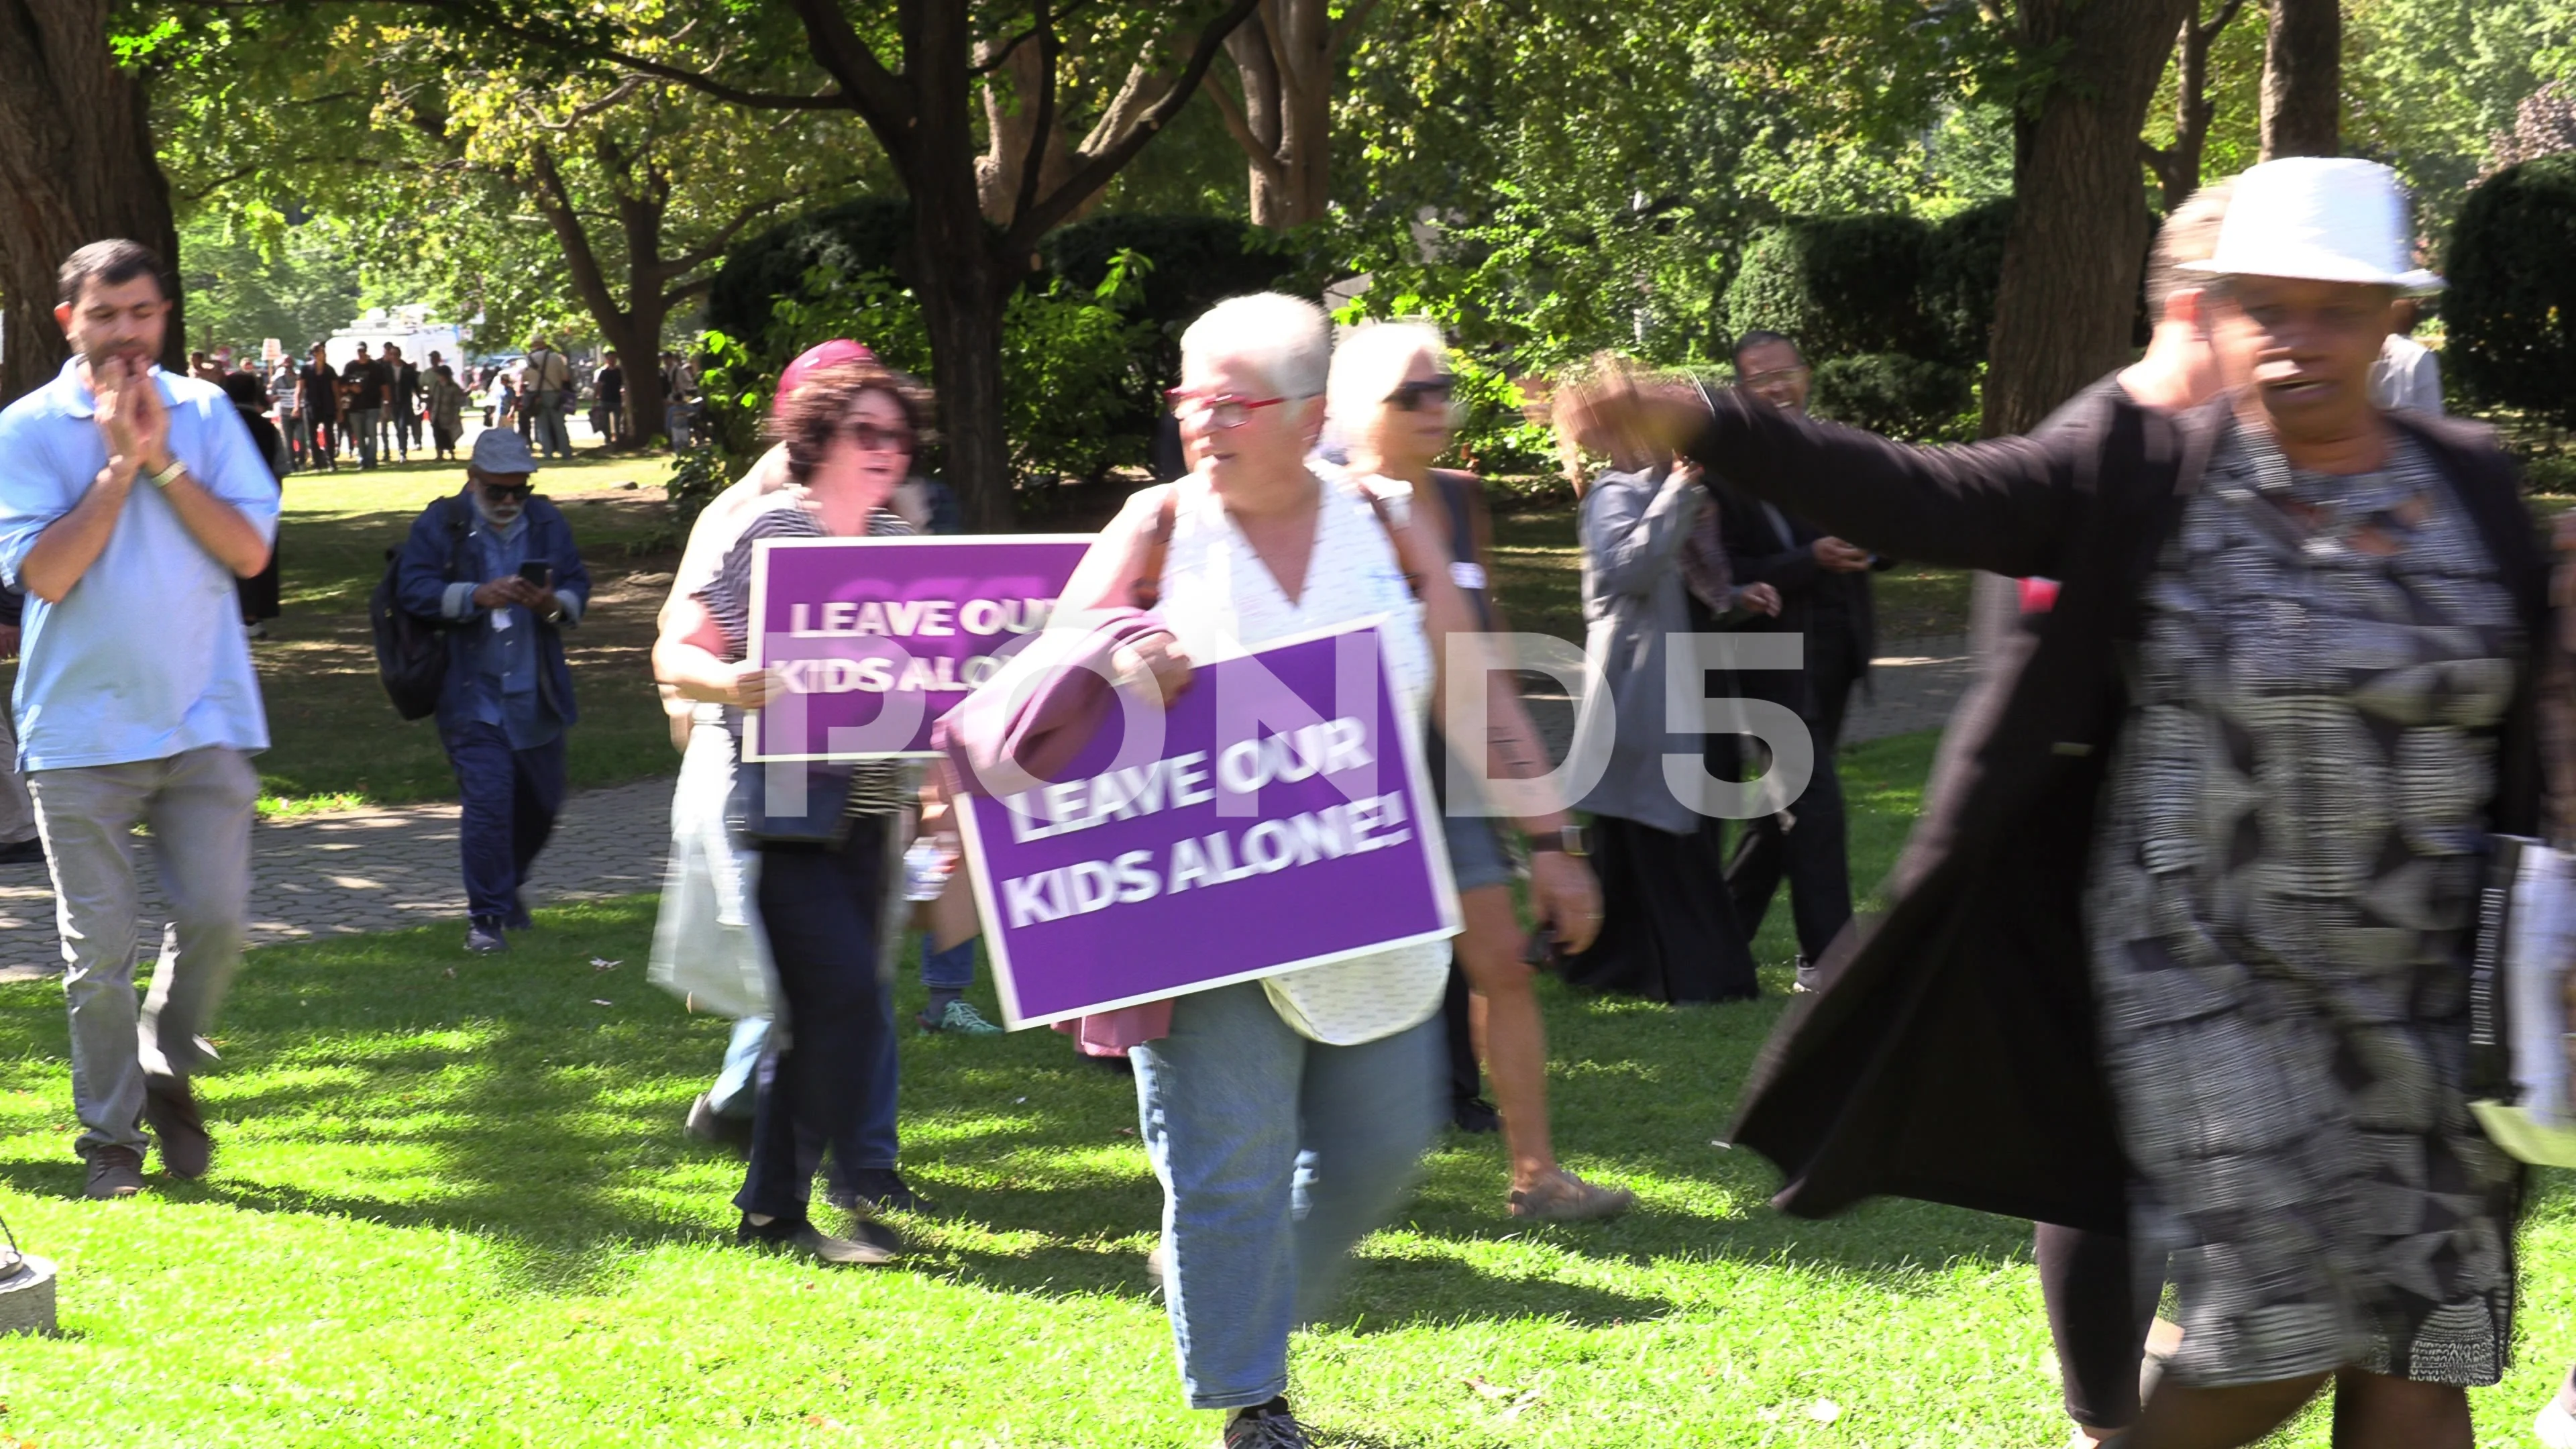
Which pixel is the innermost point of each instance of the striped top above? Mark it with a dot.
(877, 787)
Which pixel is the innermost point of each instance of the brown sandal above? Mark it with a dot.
(1566, 1198)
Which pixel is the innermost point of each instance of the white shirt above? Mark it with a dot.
(2407, 375)
(1222, 602)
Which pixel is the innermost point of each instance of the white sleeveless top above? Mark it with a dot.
(1221, 602)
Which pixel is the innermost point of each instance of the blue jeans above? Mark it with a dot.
(734, 1093)
(1276, 1155)
(949, 970)
(551, 434)
(511, 798)
(836, 1076)
(362, 426)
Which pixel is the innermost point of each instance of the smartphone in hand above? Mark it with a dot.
(540, 574)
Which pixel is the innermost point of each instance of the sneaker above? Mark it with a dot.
(1266, 1426)
(1566, 1198)
(1475, 1114)
(171, 1109)
(872, 1190)
(710, 1126)
(800, 1236)
(483, 936)
(115, 1172)
(30, 851)
(960, 1018)
(1811, 977)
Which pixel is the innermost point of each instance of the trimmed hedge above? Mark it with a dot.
(871, 234)
(1084, 361)
(1908, 398)
(2511, 308)
(1198, 261)
(1854, 286)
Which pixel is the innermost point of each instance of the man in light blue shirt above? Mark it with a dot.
(130, 501)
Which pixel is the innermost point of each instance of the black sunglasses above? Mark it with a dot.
(1410, 396)
(874, 439)
(520, 489)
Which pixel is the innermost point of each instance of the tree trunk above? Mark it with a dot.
(1010, 124)
(2303, 80)
(1284, 59)
(2069, 292)
(959, 260)
(639, 349)
(76, 166)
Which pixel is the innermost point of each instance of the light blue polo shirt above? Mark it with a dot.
(145, 658)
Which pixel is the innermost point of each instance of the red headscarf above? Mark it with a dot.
(820, 355)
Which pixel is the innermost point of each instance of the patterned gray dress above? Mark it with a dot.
(2280, 920)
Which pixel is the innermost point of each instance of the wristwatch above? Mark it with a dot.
(168, 475)
(1565, 839)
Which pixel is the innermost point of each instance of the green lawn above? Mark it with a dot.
(453, 1208)
(336, 741)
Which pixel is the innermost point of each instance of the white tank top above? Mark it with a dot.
(1221, 602)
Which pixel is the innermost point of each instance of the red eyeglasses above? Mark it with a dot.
(1223, 409)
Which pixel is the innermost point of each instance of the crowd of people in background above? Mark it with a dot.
(382, 405)
(2153, 975)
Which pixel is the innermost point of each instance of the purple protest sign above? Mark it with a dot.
(1282, 820)
(876, 638)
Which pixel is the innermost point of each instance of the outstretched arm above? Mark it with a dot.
(2002, 505)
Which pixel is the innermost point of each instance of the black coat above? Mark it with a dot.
(1951, 1055)
(1756, 554)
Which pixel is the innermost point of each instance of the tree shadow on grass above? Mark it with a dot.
(364, 1081)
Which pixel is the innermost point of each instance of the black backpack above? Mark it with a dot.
(411, 652)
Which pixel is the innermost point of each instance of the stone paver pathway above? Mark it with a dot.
(380, 870)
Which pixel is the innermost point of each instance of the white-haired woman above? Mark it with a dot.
(1389, 402)
(1286, 1117)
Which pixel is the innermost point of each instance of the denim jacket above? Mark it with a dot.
(436, 579)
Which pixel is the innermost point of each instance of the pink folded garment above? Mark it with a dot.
(1009, 736)
(1111, 1033)
(991, 738)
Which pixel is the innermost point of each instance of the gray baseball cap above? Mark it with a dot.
(500, 450)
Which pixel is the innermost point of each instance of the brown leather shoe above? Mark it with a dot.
(115, 1172)
(171, 1111)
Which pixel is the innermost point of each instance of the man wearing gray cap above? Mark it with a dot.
(497, 565)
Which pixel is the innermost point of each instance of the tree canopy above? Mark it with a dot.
(1548, 179)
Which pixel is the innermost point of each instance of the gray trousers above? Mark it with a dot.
(199, 804)
(17, 812)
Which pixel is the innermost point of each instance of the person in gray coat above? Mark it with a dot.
(1669, 930)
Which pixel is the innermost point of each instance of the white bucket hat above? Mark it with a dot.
(2319, 218)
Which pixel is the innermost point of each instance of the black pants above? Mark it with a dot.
(1466, 1074)
(1813, 851)
(2098, 1319)
(1668, 931)
(819, 908)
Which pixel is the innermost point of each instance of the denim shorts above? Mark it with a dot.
(1477, 857)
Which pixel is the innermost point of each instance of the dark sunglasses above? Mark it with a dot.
(520, 489)
(1410, 396)
(874, 439)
